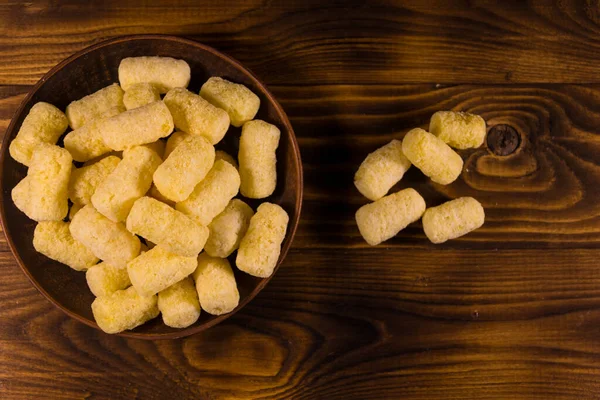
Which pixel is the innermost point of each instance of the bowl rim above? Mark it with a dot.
(292, 227)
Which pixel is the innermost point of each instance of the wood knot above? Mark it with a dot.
(503, 140)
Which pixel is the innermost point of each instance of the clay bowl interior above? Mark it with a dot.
(90, 70)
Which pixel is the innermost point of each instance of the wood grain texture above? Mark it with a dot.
(509, 311)
(334, 325)
(333, 42)
(545, 194)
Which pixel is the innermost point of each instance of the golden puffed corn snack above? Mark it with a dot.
(221, 155)
(453, 219)
(383, 219)
(83, 111)
(104, 279)
(185, 167)
(173, 141)
(129, 181)
(43, 194)
(44, 124)
(460, 130)
(196, 116)
(212, 194)
(141, 125)
(158, 147)
(432, 156)
(260, 247)
(53, 239)
(140, 94)
(143, 247)
(74, 210)
(179, 304)
(381, 170)
(109, 241)
(154, 193)
(257, 159)
(85, 180)
(228, 228)
(239, 101)
(124, 309)
(215, 284)
(118, 154)
(86, 143)
(157, 269)
(165, 73)
(177, 137)
(169, 228)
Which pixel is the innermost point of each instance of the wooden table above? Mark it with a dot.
(511, 311)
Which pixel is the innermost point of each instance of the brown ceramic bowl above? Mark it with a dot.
(92, 69)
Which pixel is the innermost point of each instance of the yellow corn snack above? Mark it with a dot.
(141, 125)
(221, 155)
(215, 284)
(161, 224)
(228, 228)
(143, 247)
(165, 73)
(381, 170)
(109, 241)
(44, 124)
(257, 159)
(458, 129)
(118, 154)
(74, 210)
(140, 94)
(155, 194)
(177, 137)
(43, 194)
(185, 167)
(104, 279)
(432, 156)
(173, 141)
(157, 269)
(239, 101)
(129, 181)
(123, 309)
(86, 143)
(158, 147)
(179, 304)
(260, 247)
(383, 219)
(453, 219)
(85, 180)
(83, 111)
(53, 239)
(212, 194)
(196, 116)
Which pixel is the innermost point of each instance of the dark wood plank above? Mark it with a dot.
(316, 42)
(353, 324)
(543, 195)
